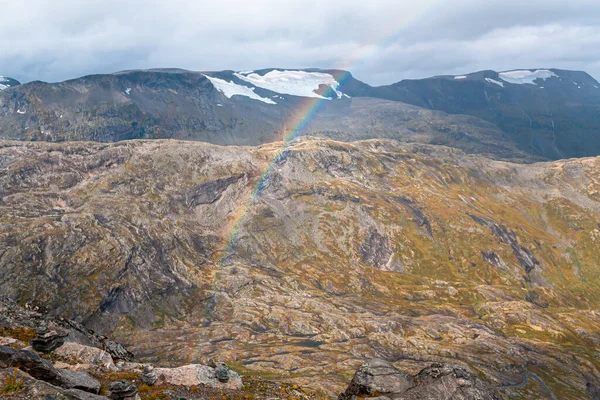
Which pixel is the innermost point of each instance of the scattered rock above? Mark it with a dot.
(123, 390)
(47, 340)
(378, 376)
(196, 374)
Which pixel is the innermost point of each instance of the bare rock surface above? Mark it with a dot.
(266, 258)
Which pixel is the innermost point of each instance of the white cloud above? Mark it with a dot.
(380, 40)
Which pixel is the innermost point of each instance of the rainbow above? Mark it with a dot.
(297, 123)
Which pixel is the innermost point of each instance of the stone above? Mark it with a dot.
(117, 350)
(34, 365)
(196, 374)
(41, 369)
(35, 389)
(447, 382)
(77, 380)
(149, 376)
(47, 340)
(76, 394)
(6, 354)
(86, 355)
(123, 390)
(378, 376)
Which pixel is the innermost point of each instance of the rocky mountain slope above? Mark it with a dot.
(518, 115)
(548, 112)
(301, 262)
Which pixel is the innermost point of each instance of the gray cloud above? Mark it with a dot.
(381, 41)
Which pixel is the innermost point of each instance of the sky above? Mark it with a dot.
(379, 41)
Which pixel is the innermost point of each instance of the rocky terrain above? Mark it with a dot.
(527, 115)
(60, 360)
(299, 262)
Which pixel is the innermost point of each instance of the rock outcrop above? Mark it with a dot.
(378, 376)
(379, 379)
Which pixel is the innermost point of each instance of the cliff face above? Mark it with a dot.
(301, 262)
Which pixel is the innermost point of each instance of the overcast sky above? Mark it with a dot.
(380, 41)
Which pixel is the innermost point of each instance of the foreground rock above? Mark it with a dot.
(196, 374)
(28, 388)
(379, 379)
(378, 376)
(41, 369)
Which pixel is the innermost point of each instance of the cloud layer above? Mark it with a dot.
(381, 41)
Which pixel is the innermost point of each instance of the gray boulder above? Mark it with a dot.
(449, 383)
(378, 377)
(77, 380)
(30, 362)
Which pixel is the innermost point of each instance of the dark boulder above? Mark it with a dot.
(35, 366)
(77, 380)
(38, 368)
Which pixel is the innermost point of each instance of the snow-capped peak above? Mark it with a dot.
(521, 77)
(294, 83)
(230, 89)
(3, 80)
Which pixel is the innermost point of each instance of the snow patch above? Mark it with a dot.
(230, 89)
(2, 87)
(495, 82)
(521, 77)
(219, 105)
(294, 83)
(128, 91)
(460, 77)
(21, 112)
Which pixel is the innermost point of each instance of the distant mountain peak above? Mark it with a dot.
(5, 82)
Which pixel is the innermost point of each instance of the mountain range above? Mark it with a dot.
(526, 115)
(297, 223)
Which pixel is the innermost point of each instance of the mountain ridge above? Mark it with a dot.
(550, 115)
